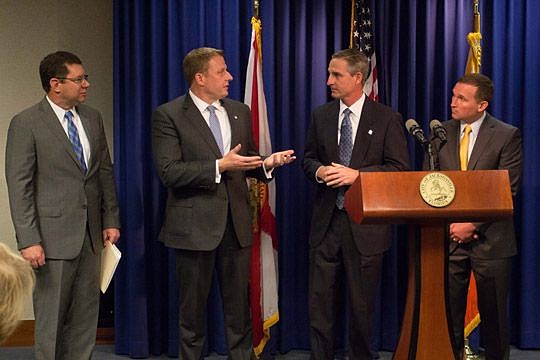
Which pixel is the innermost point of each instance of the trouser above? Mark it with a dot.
(492, 289)
(194, 271)
(338, 254)
(66, 306)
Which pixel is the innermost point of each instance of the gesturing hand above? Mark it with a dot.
(233, 161)
(279, 159)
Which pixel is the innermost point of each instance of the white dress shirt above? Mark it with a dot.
(475, 128)
(354, 116)
(60, 114)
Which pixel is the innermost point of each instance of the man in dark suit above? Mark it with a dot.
(63, 205)
(204, 150)
(478, 141)
(370, 138)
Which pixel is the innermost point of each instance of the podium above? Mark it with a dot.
(394, 198)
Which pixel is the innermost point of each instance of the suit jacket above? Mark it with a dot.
(380, 145)
(497, 147)
(185, 155)
(51, 201)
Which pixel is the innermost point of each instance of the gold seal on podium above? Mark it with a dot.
(437, 189)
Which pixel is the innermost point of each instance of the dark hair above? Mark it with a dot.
(483, 84)
(196, 61)
(54, 65)
(357, 62)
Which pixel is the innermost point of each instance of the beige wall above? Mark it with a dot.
(31, 29)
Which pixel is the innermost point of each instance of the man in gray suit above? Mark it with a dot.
(203, 149)
(478, 141)
(63, 205)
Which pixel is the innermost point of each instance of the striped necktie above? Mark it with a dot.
(73, 135)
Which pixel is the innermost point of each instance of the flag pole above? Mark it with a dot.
(351, 43)
(474, 62)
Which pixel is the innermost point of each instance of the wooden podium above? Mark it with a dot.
(394, 198)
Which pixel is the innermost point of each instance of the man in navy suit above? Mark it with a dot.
(372, 138)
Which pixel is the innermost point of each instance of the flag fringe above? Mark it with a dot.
(268, 323)
(472, 325)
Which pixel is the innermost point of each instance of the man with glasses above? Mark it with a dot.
(63, 206)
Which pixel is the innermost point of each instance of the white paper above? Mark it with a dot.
(110, 257)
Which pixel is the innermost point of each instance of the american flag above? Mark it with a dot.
(362, 38)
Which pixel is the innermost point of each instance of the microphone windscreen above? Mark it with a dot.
(434, 123)
(410, 124)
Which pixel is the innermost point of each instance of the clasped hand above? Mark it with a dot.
(463, 232)
(336, 175)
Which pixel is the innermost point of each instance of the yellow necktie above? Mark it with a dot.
(464, 148)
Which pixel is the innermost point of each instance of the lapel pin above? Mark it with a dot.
(235, 117)
(370, 132)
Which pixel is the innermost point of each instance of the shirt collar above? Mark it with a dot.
(202, 105)
(356, 107)
(58, 110)
(475, 126)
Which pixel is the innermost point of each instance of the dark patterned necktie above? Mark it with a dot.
(73, 135)
(345, 150)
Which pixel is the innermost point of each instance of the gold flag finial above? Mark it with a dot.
(476, 12)
(256, 8)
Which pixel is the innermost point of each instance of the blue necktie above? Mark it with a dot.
(73, 135)
(345, 151)
(214, 126)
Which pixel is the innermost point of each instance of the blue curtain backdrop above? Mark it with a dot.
(421, 51)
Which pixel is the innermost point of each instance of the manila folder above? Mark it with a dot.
(110, 256)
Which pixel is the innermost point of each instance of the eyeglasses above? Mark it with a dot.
(77, 80)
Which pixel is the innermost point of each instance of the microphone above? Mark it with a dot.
(415, 130)
(439, 131)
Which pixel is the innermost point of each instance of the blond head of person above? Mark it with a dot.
(16, 283)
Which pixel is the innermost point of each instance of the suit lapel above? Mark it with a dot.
(57, 130)
(452, 146)
(194, 116)
(331, 121)
(233, 121)
(91, 136)
(363, 136)
(484, 137)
